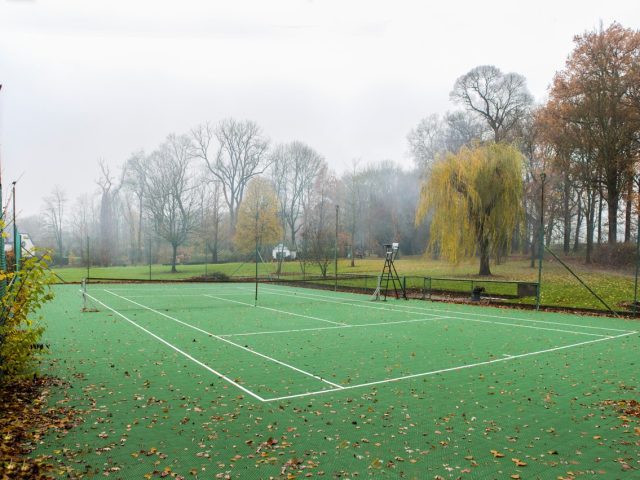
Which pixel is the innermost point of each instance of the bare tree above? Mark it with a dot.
(319, 229)
(427, 141)
(171, 197)
(354, 205)
(434, 136)
(295, 168)
(241, 155)
(211, 216)
(82, 223)
(109, 188)
(500, 99)
(136, 169)
(53, 215)
(462, 129)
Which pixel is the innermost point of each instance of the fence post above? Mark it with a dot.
(635, 285)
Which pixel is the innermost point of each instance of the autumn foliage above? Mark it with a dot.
(475, 197)
(258, 221)
(19, 330)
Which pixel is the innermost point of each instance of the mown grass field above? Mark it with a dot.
(559, 287)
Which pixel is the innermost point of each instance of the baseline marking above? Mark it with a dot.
(181, 352)
(317, 377)
(355, 301)
(449, 311)
(444, 370)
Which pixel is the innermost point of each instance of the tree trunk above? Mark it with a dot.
(566, 211)
(590, 214)
(484, 264)
(232, 224)
(576, 242)
(293, 236)
(139, 254)
(612, 210)
(627, 214)
(484, 254)
(174, 257)
(534, 248)
(600, 218)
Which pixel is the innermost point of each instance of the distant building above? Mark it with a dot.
(281, 250)
(28, 247)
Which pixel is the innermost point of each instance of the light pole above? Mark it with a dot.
(540, 240)
(3, 259)
(17, 248)
(635, 284)
(335, 252)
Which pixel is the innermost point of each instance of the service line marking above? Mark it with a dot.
(304, 372)
(445, 370)
(274, 310)
(269, 332)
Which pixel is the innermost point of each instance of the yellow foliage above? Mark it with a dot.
(258, 220)
(20, 332)
(475, 199)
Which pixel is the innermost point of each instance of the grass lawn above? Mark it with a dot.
(559, 287)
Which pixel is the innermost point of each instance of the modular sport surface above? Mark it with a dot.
(200, 381)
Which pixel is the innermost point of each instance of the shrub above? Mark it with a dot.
(20, 331)
(618, 255)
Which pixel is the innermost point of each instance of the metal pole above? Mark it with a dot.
(540, 240)
(255, 301)
(635, 285)
(16, 241)
(150, 257)
(88, 259)
(3, 259)
(335, 252)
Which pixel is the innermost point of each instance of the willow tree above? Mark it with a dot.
(258, 220)
(475, 201)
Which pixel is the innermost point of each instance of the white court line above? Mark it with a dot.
(269, 292)
(269, 332)
(444, 370)
(162, 295)
(198, 362)
(274, 309)
(317, 377)
(354, 301)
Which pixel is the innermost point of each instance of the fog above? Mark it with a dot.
(84, 81)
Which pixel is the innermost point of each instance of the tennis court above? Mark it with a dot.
(342, 386)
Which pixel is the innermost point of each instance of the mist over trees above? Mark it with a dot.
(183, 201)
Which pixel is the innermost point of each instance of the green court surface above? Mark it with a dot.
(194, 380)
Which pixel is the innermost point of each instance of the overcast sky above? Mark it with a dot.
(88, 80)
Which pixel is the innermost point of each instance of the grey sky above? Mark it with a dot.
(84, 80)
